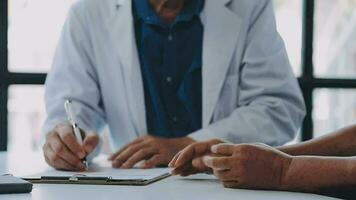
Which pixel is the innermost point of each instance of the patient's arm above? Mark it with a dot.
(327, 175)
(339, 143)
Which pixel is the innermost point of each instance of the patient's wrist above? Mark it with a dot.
(285, 182)
(301, 175)
(351, 171)
(314, 174)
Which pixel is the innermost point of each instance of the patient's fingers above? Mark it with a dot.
(225, 176)
(199, 165)
(223, 149)
(217, 163)
(184, 170)
(231, 184)
(186, 155)
(174, 159)
(193, 151)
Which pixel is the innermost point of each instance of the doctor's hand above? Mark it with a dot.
(153, 150)
(190, 160)
(245, 166)
(63, 152)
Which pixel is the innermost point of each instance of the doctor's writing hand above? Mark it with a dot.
(153, 150)
(249, 166)
(190, 160)
(63, 152)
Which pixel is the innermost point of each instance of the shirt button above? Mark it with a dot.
(169, 79)
(170, 37)
(175, 119)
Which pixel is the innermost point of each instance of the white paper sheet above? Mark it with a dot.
(102, 168)
(115, 174)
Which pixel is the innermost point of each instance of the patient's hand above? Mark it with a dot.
(255, 166)
(190, 160)
(153, 150)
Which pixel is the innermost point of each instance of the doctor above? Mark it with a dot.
(163, 74)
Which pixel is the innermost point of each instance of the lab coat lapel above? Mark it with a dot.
(221, 30)
(123, 38)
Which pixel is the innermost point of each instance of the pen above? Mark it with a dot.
(69, 111)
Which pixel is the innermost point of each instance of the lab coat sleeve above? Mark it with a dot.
(74, 77)
(270, 104)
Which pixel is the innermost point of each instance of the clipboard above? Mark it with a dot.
(101, 176)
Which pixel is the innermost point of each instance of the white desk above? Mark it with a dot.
(172, 188)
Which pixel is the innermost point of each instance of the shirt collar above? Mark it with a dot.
(142, 10)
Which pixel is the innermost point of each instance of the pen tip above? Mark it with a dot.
(85, 163)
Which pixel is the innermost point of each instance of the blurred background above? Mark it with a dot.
(320, 38)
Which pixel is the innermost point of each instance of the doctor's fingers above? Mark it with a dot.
(58, 162)
(90, 142)
(66, 134)
(140, 155)
(154, 161)
(127, 153)
(59, 149)
(136, 141)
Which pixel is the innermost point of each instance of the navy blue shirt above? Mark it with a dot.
(171, 60)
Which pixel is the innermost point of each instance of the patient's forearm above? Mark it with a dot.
(339, 143)
(317, 174)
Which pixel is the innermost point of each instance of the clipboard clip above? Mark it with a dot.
(82, 177)
(75, 177)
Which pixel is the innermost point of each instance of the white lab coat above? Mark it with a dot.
(249, 91)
